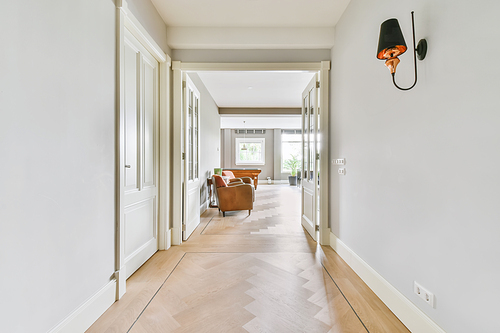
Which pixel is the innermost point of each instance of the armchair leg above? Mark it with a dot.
(223, 214)
(249, 211)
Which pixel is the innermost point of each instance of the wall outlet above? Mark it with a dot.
(423, 293)
(339, 161)
(342, 171)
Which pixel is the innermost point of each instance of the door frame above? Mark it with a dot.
(126, 20)
(323, 70)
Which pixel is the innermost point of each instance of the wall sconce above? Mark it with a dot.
(391, 44)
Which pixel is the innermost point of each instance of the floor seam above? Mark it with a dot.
(331, 277)
(157, 291)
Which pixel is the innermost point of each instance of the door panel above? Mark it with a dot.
(132, 81)
(138, 233)
(310, 170)
(192, 157)
(150, 73)
(141, 154)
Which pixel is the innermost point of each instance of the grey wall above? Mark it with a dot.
(209, 134)
(419, 201)
(228, 145)
(57, 102)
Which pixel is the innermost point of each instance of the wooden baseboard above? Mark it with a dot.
(409, 314)
(83, 317)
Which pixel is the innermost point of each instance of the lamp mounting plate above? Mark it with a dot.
(421, 49)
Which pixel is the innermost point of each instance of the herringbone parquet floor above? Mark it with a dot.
(257, 273)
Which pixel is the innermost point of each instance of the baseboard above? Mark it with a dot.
(83, 317)
(168, 240)
(203, 207)
(274, 181)
(176, 236)
(409, 314)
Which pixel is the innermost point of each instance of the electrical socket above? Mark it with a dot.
(423, 293)
(341, 171)
(339, 161)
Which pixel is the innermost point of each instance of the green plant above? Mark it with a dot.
(293, 163)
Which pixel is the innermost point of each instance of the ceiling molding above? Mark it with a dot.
(250, 38)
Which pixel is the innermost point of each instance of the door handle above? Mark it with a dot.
(127, 166)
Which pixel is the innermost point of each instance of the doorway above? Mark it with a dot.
(320, 199)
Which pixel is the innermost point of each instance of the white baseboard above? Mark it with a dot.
(176, 236)
(168, 240)
(409, 314)
(203, 207)
(83, 317)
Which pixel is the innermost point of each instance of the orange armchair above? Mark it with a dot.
(233, 196)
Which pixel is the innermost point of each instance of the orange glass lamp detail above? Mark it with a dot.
(391, 44)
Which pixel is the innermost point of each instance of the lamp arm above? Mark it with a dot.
(414, 59)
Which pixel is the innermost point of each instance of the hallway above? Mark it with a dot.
(257, 273)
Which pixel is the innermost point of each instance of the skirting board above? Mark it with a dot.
(409, 314)
(83, 317)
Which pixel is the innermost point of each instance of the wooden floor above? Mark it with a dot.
(257, 273)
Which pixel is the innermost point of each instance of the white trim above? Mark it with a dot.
(409, 314)
(250, 66)
(324, 153)
(176, 236)
(136, 28)
(203, 207)
(85, 315)
(165, 175)
(177, 166)
(168, 239)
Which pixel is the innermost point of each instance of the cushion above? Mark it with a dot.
(219, 182)
(229, 174)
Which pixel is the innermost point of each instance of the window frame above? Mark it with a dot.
(262, 160)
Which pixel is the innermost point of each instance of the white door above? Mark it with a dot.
(191, 159)
(140, 153)
(310, 159)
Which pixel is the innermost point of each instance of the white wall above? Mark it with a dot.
(420, 197)
(210, 136)
(57, 102)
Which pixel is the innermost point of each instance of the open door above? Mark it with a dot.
(191, 155)
(140, 153)
(310, 159)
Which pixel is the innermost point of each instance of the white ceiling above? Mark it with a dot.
(251, 13)
(256, 89)
(250, 24)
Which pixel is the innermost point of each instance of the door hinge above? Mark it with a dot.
(183, 227)
(317, 228)
(317, 156)
(183, 155)
(317, 84)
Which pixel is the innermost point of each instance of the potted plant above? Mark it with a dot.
(292, 164)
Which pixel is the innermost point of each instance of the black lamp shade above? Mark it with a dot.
(391, 42)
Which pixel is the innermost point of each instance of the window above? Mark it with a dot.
(291, 150)
(250, 151)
